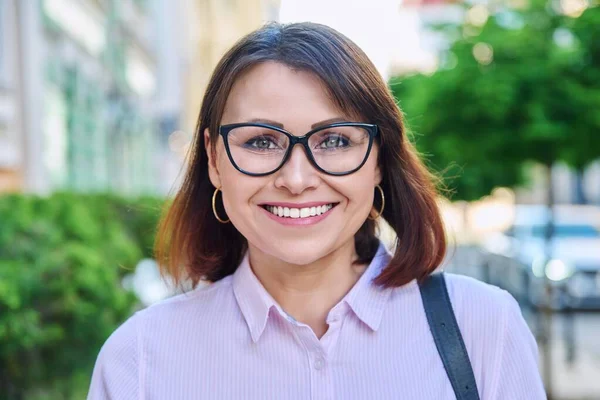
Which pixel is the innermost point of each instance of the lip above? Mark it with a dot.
(300, 205)
(308, 221)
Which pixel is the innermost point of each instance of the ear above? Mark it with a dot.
(378, 176)
(213, 171)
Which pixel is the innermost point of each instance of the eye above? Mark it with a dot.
(262, 143)
(334, 141)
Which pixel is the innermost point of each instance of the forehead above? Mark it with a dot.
(278, 92)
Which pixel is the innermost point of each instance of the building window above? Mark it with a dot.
(84, 23)
(3, 36)
(142, 5)
(56, 134)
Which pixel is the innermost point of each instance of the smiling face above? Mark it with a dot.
(323, 212)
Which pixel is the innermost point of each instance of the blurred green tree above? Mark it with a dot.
(61, 263)
(515, 85)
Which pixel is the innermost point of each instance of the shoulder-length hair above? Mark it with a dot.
(192, 244)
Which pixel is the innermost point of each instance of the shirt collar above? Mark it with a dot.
(253, 299)
(366, 299)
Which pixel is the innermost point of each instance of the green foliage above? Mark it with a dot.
(480, 122)
(61, 263)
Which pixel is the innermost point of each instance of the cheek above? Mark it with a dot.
(363, 198)
(363, 183)
(358, 189)
(362, 192)
(239, 190)
(236, 204)
(229, 182)
(222, 161)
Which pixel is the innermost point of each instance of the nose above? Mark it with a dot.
(297, 174)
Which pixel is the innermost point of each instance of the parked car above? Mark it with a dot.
(570, 261)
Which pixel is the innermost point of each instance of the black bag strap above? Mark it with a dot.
(447, 337)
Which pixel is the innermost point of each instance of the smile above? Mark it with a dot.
(298, 213)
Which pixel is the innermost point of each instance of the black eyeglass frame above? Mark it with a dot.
(372, 129)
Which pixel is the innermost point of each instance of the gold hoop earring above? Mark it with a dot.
(382, 205)
(214, 207)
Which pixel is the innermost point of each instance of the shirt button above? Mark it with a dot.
(319, 363)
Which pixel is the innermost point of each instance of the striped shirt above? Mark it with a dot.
(231, 340)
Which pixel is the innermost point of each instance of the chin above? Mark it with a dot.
(299, 252)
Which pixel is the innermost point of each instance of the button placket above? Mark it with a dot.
(320, 377)
(319, 363)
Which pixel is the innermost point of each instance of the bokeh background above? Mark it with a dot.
(98, 104)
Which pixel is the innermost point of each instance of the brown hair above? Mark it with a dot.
(192, 244)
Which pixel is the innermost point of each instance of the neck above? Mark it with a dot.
(308, 292)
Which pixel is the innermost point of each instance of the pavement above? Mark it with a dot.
(579, 378)
(575, 371)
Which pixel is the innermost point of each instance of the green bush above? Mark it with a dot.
(62, 259)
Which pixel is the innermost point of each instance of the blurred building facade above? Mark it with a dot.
(220, 24)
(570, 186)
(102, 95)
(9, 158)
(418, 50)
(79, 85)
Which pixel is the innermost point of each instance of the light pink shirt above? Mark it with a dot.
(231, 340)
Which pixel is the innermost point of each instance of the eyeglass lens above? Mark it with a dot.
(261, 150)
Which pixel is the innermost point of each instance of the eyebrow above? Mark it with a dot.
(313, 126)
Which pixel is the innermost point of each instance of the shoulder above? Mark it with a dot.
(130, 335)
(118, 372)
(194, 306)
(483, 312)
(122, 343)
(469, 295)
(210, 292)
(497, 338)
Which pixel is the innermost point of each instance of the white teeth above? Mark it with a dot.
(299, 212)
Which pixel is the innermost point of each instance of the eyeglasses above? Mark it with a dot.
(337, 149)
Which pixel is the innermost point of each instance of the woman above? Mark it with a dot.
(300, 151)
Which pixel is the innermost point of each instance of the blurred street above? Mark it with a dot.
(576, 378)
(574, 338)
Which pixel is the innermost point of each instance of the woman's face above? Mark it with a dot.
(296, 100)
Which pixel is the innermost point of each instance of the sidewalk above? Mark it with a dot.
(580, 381)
